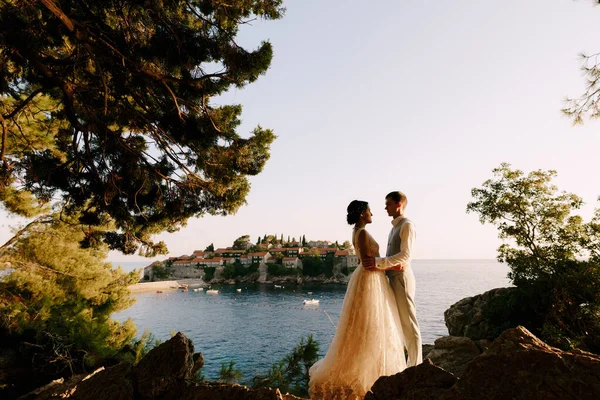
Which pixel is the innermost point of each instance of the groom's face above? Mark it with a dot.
(392, 207)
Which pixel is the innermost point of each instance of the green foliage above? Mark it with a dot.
(554, 257)
(210, 248)
(253, 268)
(229, 271)
(281, 270)
(106, 110)
(241, 242)
(241, 270)
(229, 374)
(312, 266)
(588, 104)
(143, 345)
(60, 297)
(291, 373)
(347, 270)
(328, 265)
(209, 273)
(160, 273)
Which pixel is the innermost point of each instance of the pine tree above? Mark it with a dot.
(106, 110)
(59, 299)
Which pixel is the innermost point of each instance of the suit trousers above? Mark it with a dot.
(403, 285)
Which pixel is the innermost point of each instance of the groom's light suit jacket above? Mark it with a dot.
(400, 242)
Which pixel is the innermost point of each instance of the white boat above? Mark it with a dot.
(309, 292)
(238, 290)
(311, 302)
(198, 289)
(278, 286)
(212, 291)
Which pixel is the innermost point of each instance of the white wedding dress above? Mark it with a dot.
(368, 341)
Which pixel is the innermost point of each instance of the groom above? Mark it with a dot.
(400, 274)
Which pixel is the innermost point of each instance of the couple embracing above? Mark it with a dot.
(378, 318)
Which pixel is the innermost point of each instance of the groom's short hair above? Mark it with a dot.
(398, 197)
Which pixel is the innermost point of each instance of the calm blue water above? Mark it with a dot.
(259, 326)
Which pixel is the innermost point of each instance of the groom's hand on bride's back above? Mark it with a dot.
(368, 263)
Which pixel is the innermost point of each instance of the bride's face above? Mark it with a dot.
(367, 216)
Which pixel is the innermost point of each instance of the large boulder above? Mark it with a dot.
(165, 366)
(425, 381)
(453, 353)
(165, 373)
(517, 366)
(112, 383)
(467, 316)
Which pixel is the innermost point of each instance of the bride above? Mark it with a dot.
(368, 341)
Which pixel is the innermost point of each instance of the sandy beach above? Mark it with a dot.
(166, 285)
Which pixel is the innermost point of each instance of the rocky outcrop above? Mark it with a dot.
(520, 366)
(165, 366)
(425, 381)
(165, 373)
(112, 383)
(517, 366)
(453, 353)
(467, 317)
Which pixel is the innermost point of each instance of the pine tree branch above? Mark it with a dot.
(44, 219)
(54, 9)
(4, 139)
(23, 103)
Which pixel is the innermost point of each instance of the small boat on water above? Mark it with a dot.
(311, 302)
(212, 291)
(238, 290)
(309, 292)
(277, 286)
(159, 291)
(200, 289)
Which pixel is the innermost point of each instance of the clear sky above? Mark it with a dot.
(426, 97)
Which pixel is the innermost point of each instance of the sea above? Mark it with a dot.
(260, 325)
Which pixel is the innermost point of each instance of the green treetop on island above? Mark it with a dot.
(105, 112)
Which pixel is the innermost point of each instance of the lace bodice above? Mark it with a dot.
(371, 243)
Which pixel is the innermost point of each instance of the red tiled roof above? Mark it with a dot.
(342, 253)
(215, 259)
(219, 251)
(281, 249)
(260, 254)
(289, 258)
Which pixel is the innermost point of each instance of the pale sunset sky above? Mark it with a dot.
(426, 97)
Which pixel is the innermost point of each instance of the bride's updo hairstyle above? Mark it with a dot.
(355, 208)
